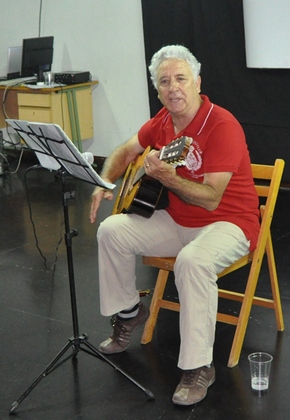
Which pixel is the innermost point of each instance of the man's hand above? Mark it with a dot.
(157, 168)
(98, 195)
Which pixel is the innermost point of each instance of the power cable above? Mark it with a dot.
(53, 267)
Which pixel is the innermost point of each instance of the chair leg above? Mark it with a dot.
(274, 285)
(155, 306)
(245, 311)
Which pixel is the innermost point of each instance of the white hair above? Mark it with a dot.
(173, 51)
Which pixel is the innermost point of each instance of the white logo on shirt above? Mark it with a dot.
(193, 159)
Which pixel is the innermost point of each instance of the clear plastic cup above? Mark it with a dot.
(48, 78)
(260, 366)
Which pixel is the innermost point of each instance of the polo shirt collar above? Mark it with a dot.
(197, 124)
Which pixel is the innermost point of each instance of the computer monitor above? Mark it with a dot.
(37, 55)
(14, 62)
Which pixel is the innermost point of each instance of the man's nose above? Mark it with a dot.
(173, 85)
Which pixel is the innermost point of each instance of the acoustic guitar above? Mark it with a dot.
(140, 193)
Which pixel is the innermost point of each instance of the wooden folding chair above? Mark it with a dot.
(267, 181)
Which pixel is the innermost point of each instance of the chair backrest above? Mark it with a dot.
(267, 182)
(270, 173)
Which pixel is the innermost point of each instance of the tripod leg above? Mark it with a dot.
(44, 373)
(97, 353)
(77, 340)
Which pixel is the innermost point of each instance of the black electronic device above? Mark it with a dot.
(72, 77)
(37, 55)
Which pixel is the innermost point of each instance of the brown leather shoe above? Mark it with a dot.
(193, 385)
(123, 331)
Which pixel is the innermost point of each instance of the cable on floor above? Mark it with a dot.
(37, 167)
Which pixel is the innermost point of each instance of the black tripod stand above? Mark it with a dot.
(78, 341)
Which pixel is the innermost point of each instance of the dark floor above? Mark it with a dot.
(36, 323)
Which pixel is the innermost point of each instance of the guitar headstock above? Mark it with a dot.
(176, 151)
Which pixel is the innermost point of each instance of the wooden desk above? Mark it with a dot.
(68, 106)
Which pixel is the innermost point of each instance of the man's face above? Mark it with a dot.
(177, 89)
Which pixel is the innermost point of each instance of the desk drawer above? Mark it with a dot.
(34, 114)
(34, 100)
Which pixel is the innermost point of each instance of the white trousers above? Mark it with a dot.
(201, 254)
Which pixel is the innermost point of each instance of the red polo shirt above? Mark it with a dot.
(218, 145)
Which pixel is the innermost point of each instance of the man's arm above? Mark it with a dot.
(115, 166)
(207, 194)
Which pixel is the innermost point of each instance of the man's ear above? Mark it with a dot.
(198, 84)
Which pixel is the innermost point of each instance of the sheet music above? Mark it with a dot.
(54, 150)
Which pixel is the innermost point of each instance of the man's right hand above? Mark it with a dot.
(98, 195)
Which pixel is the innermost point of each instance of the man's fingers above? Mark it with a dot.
(96, 201)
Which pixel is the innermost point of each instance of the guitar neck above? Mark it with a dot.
(170, 154)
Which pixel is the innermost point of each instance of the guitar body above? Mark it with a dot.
(147, 197)
(139, 197)
(140, 193)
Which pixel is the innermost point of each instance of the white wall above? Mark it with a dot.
(104, 37)
(267, 33)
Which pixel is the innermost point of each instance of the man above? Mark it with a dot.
(211, 220)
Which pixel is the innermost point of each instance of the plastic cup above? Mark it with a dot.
(48, 78)
(260, 366)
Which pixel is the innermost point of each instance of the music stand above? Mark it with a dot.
(55, 151)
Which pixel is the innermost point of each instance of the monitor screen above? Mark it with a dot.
(14, 62)
(37, 54)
